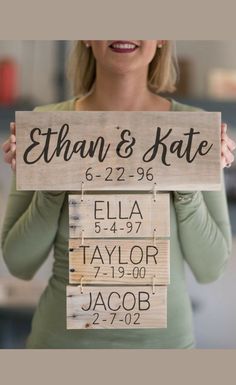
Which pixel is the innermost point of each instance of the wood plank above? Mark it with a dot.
(119, 215)
(116, 261)
(126, 150)
(112, 307)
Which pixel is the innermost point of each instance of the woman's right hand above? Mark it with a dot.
(9, 147)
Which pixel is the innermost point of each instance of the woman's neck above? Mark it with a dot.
(122, 92)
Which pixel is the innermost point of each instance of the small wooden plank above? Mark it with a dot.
(119, 215)
(116, 261)
(111, 307)
(124, 150)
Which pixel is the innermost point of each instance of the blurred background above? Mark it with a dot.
(33, 73)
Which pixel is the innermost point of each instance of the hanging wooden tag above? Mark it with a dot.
(116, 307)
(119, 215)
(119, 261)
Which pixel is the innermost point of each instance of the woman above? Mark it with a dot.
(121, 76)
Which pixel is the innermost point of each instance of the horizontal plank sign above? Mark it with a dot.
(119, 215)
(119, 261)
(116, 307)
(110, 150)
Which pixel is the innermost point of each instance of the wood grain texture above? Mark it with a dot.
(115, 261)
(112, 307)
(119, 215)
(110, 150)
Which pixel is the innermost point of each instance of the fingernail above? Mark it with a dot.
(224, 127)
(13, 147)
(13, 164)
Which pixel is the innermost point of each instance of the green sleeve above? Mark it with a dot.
(29, 228)
(204, 233)
(31, 221)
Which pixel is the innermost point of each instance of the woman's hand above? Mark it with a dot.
(9, 147)
(227, 147)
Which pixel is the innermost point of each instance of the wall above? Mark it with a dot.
(205, 55)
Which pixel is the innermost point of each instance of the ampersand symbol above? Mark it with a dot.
(124, 147)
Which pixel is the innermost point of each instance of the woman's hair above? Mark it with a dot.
(162, 72)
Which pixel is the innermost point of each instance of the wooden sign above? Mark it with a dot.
(110, 150)
(116, 261)
(120, 215)
(111, 307)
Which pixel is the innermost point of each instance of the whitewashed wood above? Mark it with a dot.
(202, 174)
(148, 216)
(116, 261)
(154, 317)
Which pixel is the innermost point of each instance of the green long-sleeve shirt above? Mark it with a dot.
(37, 221)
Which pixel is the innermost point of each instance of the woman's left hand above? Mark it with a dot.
(227, 147)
